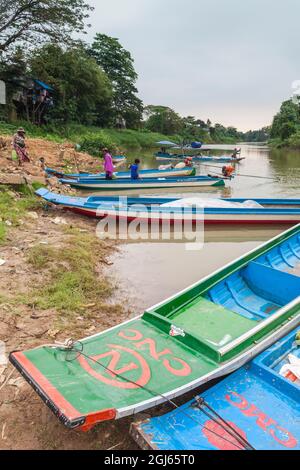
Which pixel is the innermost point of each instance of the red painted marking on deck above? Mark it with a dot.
(183, 372)
(222, 439)
(138, 363)
(263, 421)
(137, 335)
(155, 354)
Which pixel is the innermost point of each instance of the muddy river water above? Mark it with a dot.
(148, 272)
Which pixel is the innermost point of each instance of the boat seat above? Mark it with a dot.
(285, 257)
(256, 291)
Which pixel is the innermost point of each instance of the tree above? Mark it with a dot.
(163, 119)
(118, 65)
(34, 21)
(285, 122)
(83, 90)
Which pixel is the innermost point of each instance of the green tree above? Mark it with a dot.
(286, 121)
(118, 64)
(163, 119)
(33, 21)
(83, 90)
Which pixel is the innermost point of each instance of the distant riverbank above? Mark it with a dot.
(91, 138)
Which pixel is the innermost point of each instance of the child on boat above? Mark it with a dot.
(108, 164)
(134, 169)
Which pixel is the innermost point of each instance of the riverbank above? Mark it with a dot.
(55, 283)
(292, 143)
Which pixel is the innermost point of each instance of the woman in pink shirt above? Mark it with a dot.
(108, 164)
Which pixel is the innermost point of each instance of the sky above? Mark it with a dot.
(232, 61)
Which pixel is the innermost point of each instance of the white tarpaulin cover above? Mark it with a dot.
(217, 203)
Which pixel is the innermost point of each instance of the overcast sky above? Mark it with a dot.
(232, 61)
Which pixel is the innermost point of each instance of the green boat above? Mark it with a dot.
(202, 333)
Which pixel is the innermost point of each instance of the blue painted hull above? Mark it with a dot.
(144, 183)
(151, 173)
(258, 403)
(274, 210)
(197, 158)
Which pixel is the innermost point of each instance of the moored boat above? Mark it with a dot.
(202, 333)
(144, 183)
(211, 211)
(257, 407)
(119, 158)
(161, 156)
(151, 173)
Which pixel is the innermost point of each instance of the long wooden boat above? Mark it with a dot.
(211, 211)
(204, 332)
(119, 158)
(144, 183)
(161, 156)
(151, 173)
(256, 407)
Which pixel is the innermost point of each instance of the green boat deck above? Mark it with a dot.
(199, 334)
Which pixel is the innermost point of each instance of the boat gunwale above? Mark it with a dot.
(84, 202)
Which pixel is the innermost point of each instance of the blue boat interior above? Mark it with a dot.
(265, 285)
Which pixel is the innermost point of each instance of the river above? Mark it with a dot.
(148, 272)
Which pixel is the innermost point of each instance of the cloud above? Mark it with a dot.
(228, 60)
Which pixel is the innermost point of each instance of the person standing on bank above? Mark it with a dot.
(19, 146)
(108, 164)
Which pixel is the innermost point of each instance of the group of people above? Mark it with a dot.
(109, 166)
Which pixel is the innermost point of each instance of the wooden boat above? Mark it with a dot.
(151, 173)
(119, 158)
(256, 407)
(204, 332)
(211, 211)
(144, 183)
(161, 156)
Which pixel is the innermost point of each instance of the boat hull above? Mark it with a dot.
(169, 173)
(198, 158)
(284, 211)
(118, 185)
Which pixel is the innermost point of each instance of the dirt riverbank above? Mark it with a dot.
(52, 287)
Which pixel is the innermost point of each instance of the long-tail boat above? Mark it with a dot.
(144, 183)
(210, 211)
(151, 173)
(257, 407)
(204, 332)
(161, 156)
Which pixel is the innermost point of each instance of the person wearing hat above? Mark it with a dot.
(19, 145)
